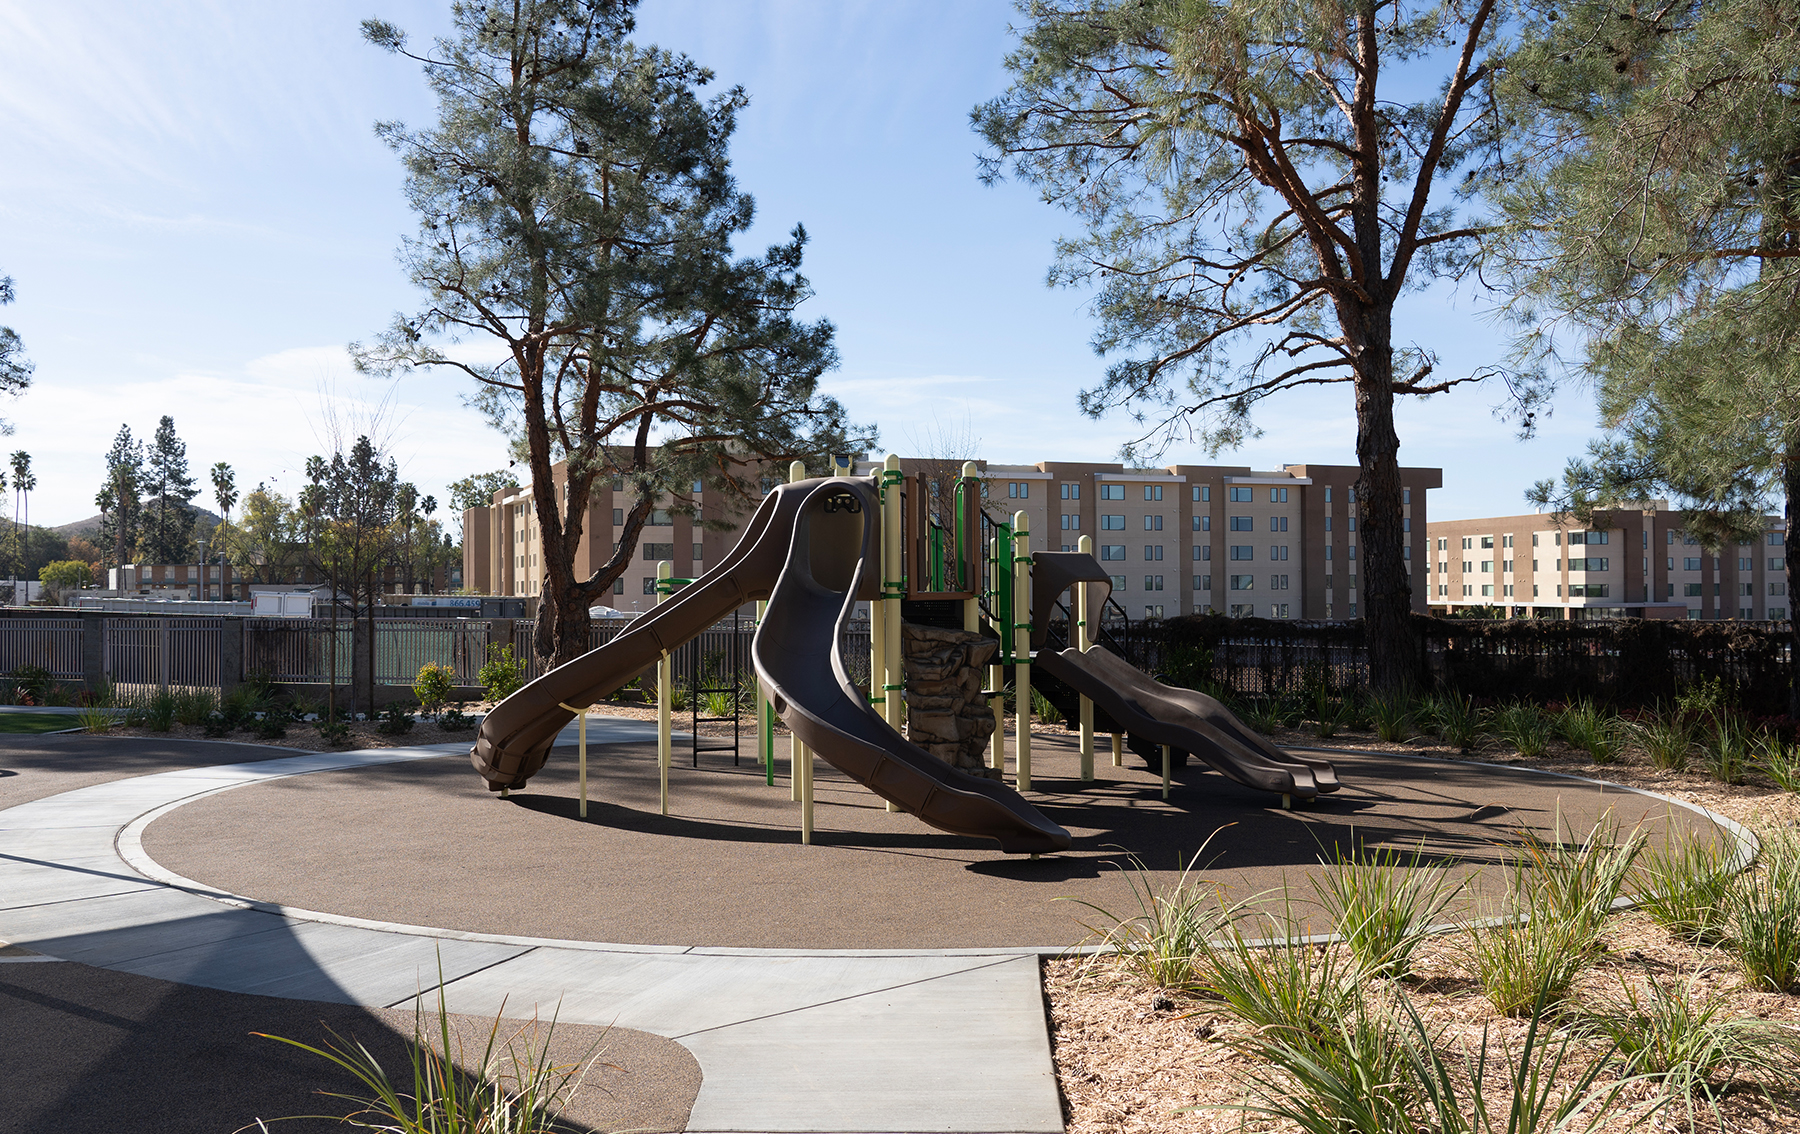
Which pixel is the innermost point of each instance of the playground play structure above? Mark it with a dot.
(810, 553)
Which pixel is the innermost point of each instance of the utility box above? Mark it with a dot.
(281, 604)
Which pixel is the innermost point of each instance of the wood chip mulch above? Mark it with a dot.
(1132, 1058)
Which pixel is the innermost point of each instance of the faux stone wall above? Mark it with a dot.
(946, 714)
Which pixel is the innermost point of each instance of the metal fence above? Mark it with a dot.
(139, 653)
(54, 643)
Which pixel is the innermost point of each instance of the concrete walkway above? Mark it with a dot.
(788, 1040)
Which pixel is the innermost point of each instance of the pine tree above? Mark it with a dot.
(168, 535)
(576, 204)
(119, 498)
(1259, 185)
(15, 368)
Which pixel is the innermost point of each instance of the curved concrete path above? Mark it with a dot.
(787, 1040)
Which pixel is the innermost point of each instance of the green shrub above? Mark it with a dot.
(1383, 906)
(59, 696)
(433, 687)
(1727, 747)
(273, 725)
(215, 725)
(334, 733)
(1040, 707)
(454, 719)
(304, 707)
(1261, 714)
(30, 684)
(395, 720)
(502, 674)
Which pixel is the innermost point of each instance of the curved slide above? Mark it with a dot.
(809, 551)
(798, 660)
(1183, 719)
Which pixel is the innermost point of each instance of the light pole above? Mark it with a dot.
(200, 591)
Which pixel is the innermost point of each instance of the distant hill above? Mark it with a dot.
(205, 521)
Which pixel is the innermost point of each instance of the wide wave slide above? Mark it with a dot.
(516, 736)
(1183, 719)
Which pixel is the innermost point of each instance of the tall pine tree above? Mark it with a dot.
(168, 530)
(120, 496)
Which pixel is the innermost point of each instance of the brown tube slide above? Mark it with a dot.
(809, 551)
(1183, 719)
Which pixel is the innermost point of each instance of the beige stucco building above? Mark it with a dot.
(1629, 563)
(1179, 539)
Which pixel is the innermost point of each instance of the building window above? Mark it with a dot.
(1746, 589)
(1240, 495)
(1779, 613)
(1118, 583)
(1590, 564)
(1778, 563)
(1328, 494)
(649, 585)
(1203, 523)
(1110, 551)
(660, 518)
(619, 585)
(618, 516)
(1018, 489)
(1278, 610)
(1278, 582)
(1278, 496)
(1112, 523)
(1071, 521)
(1487, 590)
(1112, 492)
(1153, 582)
(1774, 541)
(1278, 523)
(1243, 523)
(1406, 523)
(1352, 522)
(1690, 590)
(1243, 582)
(1153, 552)
(1203, 582)
(1153, 612)
(1279, 553)
(1240, 551)
(1468, 542)
(1778, 588)
(1487, 541)
(1691, 563)
(1242, 610)
(1202, 492)
(1153, 523)
(1153, 492)
(1071, 492)
(1589, 590)
(1328, 523)
(1203, 552)
(1406, 496)
(655, 551)
(1487, 566)
(1746, 564)
(699, 551)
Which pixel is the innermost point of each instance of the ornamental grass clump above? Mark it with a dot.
(1684, 883)
(1726, 747)
(1456, 719)
(1170, 929)
(513, 1088)
(1666, 740)
(1764, 915)
(1383, 905)
(1272, 979)
(1580, 881)
(1689, 1045)
(1392, 714)
(1524, 726)
(1591, 729)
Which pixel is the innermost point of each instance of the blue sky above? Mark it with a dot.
(198, 219)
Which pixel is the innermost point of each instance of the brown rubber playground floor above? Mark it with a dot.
(425, 843)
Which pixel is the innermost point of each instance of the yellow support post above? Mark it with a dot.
(971, 606)
(765, 748)
(1021, 566)
(997, 676)
(802, 759)
(665, 693)
(1165, 749)
(796, 474)
(1118, 750)
(893, 585)
(581, 752)
(1084, 641)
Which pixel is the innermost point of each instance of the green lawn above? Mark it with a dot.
(37, 722)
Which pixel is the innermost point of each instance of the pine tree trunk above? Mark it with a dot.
(1387, 590)
(1790, 484)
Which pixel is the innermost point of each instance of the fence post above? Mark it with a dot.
(231, 654)
(93, 650)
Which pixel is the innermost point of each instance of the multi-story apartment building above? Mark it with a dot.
(1634, 562)
(1178, 540)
